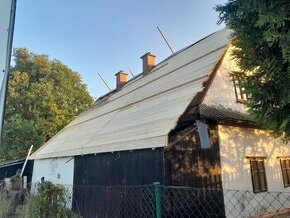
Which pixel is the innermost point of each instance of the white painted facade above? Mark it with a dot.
(237, 143)
(56, 170)
(222, 92)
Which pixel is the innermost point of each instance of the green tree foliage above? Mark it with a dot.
(43, 96)
(262, 41)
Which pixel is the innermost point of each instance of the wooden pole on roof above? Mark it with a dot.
(131, 72)
(105, 82)
(166, 41)
(25, 162)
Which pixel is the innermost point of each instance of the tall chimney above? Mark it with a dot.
(148, 62)
(121, 79)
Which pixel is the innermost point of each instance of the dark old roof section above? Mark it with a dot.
(221, 113)
(12, 163)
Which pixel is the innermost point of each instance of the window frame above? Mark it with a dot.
(285, 171)
(241, 97)
(260, 173)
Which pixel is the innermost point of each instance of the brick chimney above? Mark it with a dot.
(148, 62)
(121, 79)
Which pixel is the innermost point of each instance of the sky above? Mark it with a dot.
(106, 36)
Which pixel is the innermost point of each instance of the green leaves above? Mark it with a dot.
(262, 38)
(42, 98)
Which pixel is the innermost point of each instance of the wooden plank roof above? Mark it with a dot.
(144, 111)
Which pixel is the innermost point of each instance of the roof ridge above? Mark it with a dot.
(166, 59)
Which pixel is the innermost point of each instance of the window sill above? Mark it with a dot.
(240, 101)
(257, 192)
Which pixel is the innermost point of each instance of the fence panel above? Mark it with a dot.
(171, 201)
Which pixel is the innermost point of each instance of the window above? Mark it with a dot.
(258, 175)
(241, 96)
(285, 167)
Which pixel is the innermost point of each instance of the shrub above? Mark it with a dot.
(49, 202)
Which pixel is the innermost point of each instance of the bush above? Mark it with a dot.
(49, 202)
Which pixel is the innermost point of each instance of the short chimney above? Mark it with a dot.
(121, 79)
(148, 62)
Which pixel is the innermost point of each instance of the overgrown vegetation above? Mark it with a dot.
(43, 96)
(262, 41)
(50, 201)
(4, 205)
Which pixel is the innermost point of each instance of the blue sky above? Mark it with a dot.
(105, 36)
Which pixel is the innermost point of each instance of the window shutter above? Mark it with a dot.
(262, 175)
(255, 176)
(258, 173)
(284, 172)
(288, 171)
(285, 168)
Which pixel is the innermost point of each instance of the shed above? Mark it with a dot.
(9, 169)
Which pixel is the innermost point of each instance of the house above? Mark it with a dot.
(182, 122)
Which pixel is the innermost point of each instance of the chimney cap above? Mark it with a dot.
(147, 54)
(120, 72)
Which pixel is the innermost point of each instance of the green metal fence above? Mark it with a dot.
(160, 201)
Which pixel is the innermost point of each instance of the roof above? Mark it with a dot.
(143, 112)
(12, 163)
(220, 113)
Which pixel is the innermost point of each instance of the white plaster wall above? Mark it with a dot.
(222, 92)
(236, 144)
(56, 170)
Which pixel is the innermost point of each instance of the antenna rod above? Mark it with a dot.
(131, 72)
(165, 40)
(104, 82)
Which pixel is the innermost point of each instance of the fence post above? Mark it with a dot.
(157, 199)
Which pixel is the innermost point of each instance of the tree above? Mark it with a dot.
(262, 49)
(43, 96)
